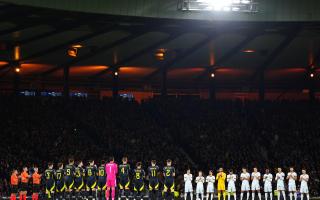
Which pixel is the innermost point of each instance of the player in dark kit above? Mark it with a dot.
(49, 180)
(91, 180)
(169, 174)
(69, 177)
(138, 181)
(102, 184)
(124, 179)
(153, 171)
(79, 174)
(60, 183)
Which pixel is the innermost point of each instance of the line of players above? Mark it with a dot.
(92, 181)
(245, 178)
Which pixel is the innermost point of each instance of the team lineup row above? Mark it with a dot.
(94, 181)
(245, 178)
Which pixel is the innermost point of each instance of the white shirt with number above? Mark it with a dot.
(245, 182)
(210, 180)
(304, 183)
(292, 183)
(188, 183)
(280, 181)
(231, 179)
(255, 185)
(200, 180)
(267, 179)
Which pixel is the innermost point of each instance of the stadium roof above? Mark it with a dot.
(236, 51)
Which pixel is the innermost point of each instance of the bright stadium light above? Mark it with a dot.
(219, 5)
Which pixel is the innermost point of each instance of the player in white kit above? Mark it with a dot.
(304, 178)
(255, 185)
(210, 179)
(245, 187)
(280, 184)
(267, 187)
(200, 189)
(292, 177)
(231, 179)
(188, 185)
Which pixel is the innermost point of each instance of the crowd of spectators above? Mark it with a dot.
(194, 133)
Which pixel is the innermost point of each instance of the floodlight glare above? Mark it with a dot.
(245, 1)
(219, 5)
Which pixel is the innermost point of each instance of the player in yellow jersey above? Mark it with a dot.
(221, 179)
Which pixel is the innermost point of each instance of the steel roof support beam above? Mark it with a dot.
(68, 43)
(115, 84)
(261, 88)
(260, 72)
(93, 53)
(312, 86)
(66, 86)
(228, 55)
(212, 88)
(38, 37)
(181, 56)
(164, 78)
(137, 54)
(284, 44)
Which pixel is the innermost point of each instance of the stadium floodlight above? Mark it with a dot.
(219, 5)
(17, 69)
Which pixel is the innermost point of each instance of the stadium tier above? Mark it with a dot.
(195, 134)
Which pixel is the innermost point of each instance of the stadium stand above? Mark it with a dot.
(230, 134)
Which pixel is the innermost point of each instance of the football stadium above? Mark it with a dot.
(159, 99)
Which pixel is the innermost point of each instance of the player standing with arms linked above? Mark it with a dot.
(36, 180)
(124, 179)
(111, 172)
(60, 183)
(169, 173)
(78, 180)
(50, 183)
(91, 180)
(153, 171)
(24, 183)
(138, 181)
(101, 179)
(69, 178)
(14, 181)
